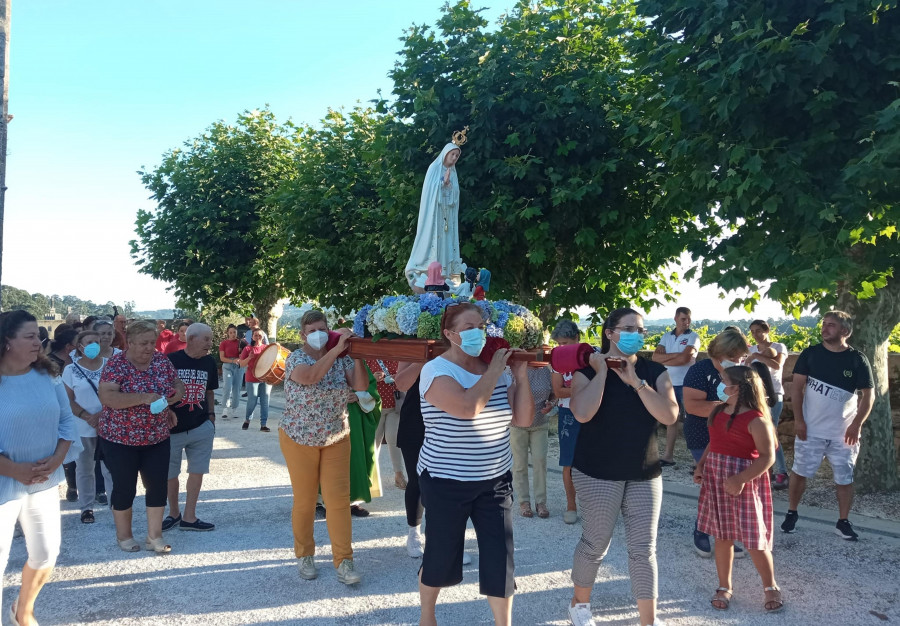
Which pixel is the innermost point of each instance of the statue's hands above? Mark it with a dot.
(447, 177)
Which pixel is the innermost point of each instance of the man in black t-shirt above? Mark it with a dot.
(195, 431)
(828, 416)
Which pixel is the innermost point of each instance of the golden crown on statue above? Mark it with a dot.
(459, 137)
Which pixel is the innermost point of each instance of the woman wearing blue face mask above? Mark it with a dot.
(701, 396)
(82, 380)
(620, 400)
(465, 462)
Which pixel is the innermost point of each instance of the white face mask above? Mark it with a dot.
(317, 339)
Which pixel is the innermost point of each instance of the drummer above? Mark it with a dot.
(256, 389)
(315, 441)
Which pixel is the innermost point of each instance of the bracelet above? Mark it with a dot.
(641, 386)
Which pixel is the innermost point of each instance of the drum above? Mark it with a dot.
(269, 365)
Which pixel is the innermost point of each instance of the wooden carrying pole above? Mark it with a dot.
(421, 350)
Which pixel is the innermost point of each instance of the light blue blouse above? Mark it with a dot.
(34, 415)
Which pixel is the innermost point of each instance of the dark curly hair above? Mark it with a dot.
(11, 323)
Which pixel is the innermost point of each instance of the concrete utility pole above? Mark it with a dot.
(5, 8)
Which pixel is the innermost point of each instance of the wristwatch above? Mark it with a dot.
(641, 386)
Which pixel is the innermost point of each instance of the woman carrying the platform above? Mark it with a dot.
(36, 429)
(620, 399)
(465, 462)
(315, 441)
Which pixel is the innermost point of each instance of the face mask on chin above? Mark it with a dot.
(317, 339)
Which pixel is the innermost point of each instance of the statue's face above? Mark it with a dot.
(451, 158)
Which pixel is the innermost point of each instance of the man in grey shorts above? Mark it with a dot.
(193, 435)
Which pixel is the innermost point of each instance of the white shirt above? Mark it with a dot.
(675, 345)
(777, 374)
(465, 449)
(73, 377)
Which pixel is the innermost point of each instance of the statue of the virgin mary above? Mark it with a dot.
(437, 231)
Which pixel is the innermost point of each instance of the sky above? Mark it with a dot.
(101, 89)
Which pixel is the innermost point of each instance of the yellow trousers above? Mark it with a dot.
(310, 467)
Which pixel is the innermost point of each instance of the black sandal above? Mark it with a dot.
(87, 517)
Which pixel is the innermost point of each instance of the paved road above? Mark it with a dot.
(244, 572)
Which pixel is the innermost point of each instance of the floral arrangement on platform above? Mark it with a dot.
(419, 316)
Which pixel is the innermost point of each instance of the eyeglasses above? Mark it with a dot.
(632, 329)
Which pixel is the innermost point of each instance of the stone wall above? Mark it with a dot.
(786, 424)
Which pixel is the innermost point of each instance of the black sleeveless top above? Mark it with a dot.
(619, 443)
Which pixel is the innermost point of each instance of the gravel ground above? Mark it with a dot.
(244, 571)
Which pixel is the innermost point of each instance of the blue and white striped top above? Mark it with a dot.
(34, 415)
(465, 449)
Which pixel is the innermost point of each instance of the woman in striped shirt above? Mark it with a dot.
(464, 465)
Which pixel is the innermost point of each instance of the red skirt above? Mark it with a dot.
(746, 518)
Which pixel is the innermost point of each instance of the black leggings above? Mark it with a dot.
(126, 462)
(413, 494)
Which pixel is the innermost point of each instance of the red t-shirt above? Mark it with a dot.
(385, 390)
(136, 425)
(163, 339)
(231, 348)
(254, 350)
(175, 344)
(737, 440)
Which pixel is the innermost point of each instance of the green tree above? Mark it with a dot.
(778, 124)
(213, 232)
(340, 238)
(552, 201)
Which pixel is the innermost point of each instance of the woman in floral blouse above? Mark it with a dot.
(315, 441)
(136, 388)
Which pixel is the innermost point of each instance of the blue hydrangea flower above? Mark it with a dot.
(502, 319)
(494, 331)
(430, 303)
(408, 318)
(359, 322)
(486, 308)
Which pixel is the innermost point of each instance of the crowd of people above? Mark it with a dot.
(106, 401)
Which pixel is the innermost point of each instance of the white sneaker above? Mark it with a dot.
(580, 615)
(415, 544)
(467, 560)
(307, 567)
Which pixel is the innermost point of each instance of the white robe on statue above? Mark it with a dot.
(437, 231)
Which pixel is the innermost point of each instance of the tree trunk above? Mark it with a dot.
(5, 9)
(262, 308)
(874, 319)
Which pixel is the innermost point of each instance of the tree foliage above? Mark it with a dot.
(778, 124)
(551, 199)
(339, 236)
(214, 233)
(39, 305)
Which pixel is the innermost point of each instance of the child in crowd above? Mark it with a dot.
(735, 496)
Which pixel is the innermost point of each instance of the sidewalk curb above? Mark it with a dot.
(828, 517)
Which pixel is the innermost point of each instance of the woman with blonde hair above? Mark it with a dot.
(136, 389)
(700, 392)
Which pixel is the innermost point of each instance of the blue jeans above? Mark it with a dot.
(780, 466)
(258, 391)
(231, 385)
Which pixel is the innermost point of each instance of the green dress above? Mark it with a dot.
(365, 481)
